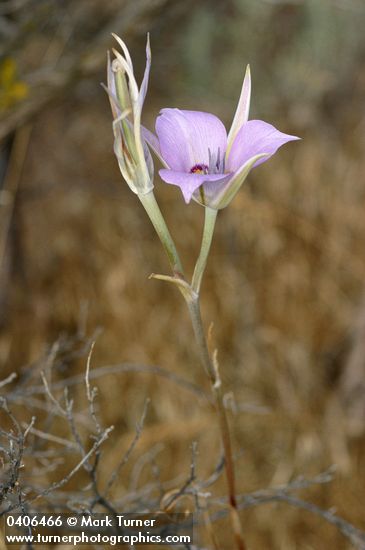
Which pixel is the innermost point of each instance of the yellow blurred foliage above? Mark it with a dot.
(12, 90)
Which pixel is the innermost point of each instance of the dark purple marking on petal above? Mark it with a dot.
(199, 169)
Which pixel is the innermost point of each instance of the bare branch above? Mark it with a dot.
(60, 409)
(8, 379)
(123, 368)
(123, 462)
(85, 458)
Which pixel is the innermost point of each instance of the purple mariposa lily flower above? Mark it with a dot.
(202, 160)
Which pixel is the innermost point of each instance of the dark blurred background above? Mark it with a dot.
(285, 280)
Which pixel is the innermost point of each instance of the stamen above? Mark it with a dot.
(217, 164)
(223, 170)
(211, 162)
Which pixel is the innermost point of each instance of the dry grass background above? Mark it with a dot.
(285, 280)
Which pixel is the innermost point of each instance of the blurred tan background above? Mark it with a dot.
(285, 280)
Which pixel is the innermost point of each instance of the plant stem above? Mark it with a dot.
(213, 374)
(154, 213)
(191, 295)
(209, 224)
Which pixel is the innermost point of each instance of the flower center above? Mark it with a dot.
(199, 169)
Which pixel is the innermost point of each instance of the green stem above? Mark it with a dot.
(197, 323)
(191, 295)
(213, 374)
(209, 224)
(154, 213)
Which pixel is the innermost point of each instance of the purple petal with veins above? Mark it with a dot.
(255, 137)
(192, 146)
(187, 136)
(188, 183)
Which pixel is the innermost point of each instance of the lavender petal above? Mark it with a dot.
(255, 137)
(188, 183)
(154, 144)
(186, 136)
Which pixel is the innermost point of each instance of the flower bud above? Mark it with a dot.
(126, 101)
